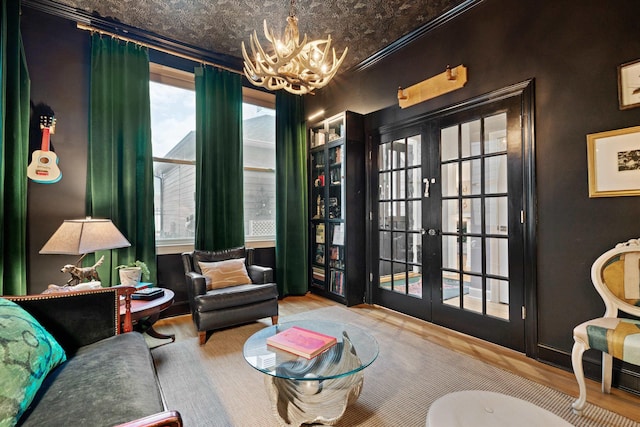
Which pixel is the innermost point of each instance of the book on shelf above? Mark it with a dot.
(338, 234)
(320, 233)
(318, 274)
(337, 282)
(302, 342)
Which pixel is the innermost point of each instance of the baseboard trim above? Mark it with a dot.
(625, 376)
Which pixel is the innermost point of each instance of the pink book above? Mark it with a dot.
(302, 342)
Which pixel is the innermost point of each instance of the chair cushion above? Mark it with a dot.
(615, 336)
(222, 274)
(213, 256)
(217, 299)
(28, 353)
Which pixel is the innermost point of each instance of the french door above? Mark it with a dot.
(449, 219)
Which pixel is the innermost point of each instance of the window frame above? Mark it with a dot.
(186, 80)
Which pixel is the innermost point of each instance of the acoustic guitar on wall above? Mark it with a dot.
(44, 168)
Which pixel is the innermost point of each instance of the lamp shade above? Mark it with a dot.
(83, 236)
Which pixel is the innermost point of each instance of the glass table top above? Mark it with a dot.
(355, 350)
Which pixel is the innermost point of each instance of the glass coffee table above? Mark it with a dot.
(317, 390)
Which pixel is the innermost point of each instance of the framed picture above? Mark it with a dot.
(614, 163)
(629, 85)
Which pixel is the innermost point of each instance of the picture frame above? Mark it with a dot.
(629, 85)
(614, 163)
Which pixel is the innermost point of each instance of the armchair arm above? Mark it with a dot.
(196, 284)
(259, 274)
(79, 318)
(161, 419)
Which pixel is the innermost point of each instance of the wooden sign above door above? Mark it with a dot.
(450, 80)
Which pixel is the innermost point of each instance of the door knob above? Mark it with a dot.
(433, 232)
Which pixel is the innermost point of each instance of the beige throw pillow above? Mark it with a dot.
(223, 274)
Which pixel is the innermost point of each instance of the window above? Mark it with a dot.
(259, 158)
(172, 94)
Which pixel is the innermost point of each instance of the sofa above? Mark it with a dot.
(226, 288)
(92, 370)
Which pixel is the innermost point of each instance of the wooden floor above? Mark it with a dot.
(618, 401)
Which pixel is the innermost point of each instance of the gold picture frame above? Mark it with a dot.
(629, 85)
(614, 162)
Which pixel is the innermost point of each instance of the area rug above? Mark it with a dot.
(214, 386)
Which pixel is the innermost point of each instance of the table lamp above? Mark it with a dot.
(81, 237)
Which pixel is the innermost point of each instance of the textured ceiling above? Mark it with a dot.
(366, 26)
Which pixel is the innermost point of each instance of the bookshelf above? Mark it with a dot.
(337, 208)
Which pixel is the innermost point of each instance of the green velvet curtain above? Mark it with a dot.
(292, 227)
(14, 152)
(120, 165)
(219, 170)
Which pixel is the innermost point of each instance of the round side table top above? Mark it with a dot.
(143, 308)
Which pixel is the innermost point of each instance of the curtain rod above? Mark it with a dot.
(85, 27)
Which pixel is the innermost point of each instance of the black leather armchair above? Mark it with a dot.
(229, 306)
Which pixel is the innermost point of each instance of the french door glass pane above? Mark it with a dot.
(414, 251)
(414, 215)
(472, 254)
(385, 244)
(451, 288)
(399, 278)
(473, 302)
(495, 133)
(384, 213)
(414, 177)
(498, 298)
(495, 174)
(414, 151)
(470, 139)
(385, 272)
(399, 216)
(450, 254)
(471, 177)
(449, 143)
(472, 214)
(398, 185)
(497, 257)
(496, 215)
(384, 157)
(399, 245)
(398, 157)
(415, 280)
(450, 216)
(385, 185)
(449, 180)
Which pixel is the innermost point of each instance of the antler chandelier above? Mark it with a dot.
(297, 67)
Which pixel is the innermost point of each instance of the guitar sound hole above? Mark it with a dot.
(44, 160)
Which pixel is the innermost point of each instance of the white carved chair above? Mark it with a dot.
(616, 277)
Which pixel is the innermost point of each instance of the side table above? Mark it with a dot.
(145, 313)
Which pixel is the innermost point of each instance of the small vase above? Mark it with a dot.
(130, 276)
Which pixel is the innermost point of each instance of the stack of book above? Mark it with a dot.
(302, 342)
(147, 294)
